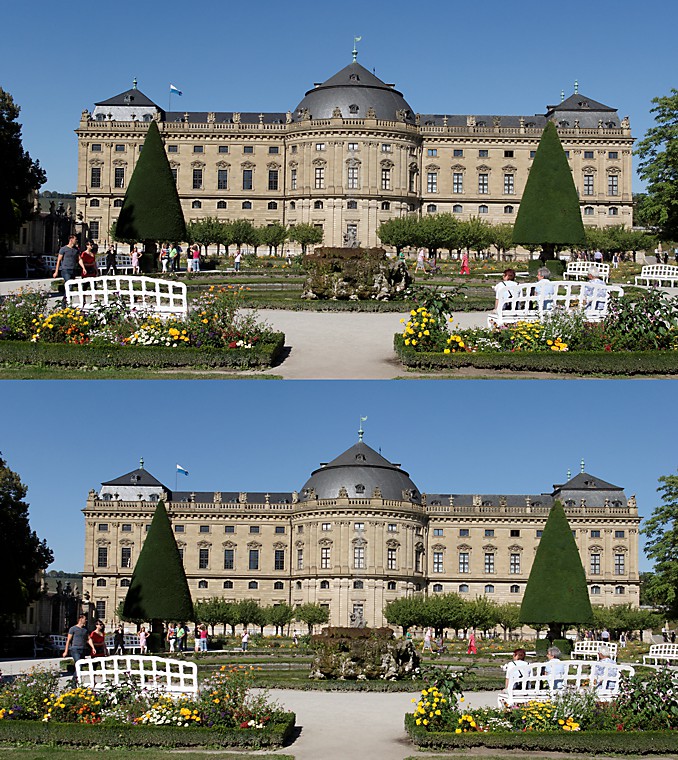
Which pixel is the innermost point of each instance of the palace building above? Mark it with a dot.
(351, 155)
(358, 534)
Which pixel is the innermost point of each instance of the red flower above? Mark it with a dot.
(620, 727)
(244, 724)
(608, 347)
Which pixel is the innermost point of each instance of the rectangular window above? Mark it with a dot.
(508, 154)
(272, 179)
(197, 179)
(247, 179)
(588, 184)
(300, 528)
(248, 149)
(392, 528)
(181, 553)
(222, 179)
(619, 534)
(533, 153)
(391, 559)
(438, 532)
(229, 559)
(175, 174)
(352, 178)
(432, 152)
(613, 154)
(483, 184)
(229, 529)
(319, 177)
(539, 533)
(126, 556)
(101, 609)
(413, 182)
(595, 534)
(102, 556)
(588, 155)
(204, 528)
(515, 533)
(612, 184)
(457, 182)
(386, 147)
(489, 532)
(464, 532)
(483, 153)
(463, 562)
(353, 146)
(432, 182)
(203, 559)
(103, 527)
(253, 563)
(96, 148)
(359, 557)
(94, 229)
(279, 528)
(179, 529)
(95, 177)
(327, 526)
(223, 149)
(359, 526)
(279, 560)
(255, 529)
(385, 179)
(417, 561)
(293, 179)
(437, 562)
(300, 559)
(595, 564)
(126, 527)
(324, 557)
(509, 184)
(119, 148)
(273, 149)
(489, 562)
(172, 148)
(320, 146)
(198, 149)
(458, 153)
(514, 564)
(619, 564)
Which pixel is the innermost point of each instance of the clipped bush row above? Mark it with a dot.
(111, 735)
(571, 362)
(264, 354)
(589, 742)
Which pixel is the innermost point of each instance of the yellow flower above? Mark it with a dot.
(457, 730)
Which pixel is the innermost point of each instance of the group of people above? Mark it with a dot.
(81, 642)
(72, 261)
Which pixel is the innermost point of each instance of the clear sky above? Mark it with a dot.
(501, 437)
(445, 56)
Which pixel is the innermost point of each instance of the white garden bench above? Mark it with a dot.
(131, 642)
(161, 297)
(58, 642)
(577, 270)
(586, 649)
(527, 683)
(661, 654)
(658, 275)
(521, 303)
(123, 263)
(173, 677)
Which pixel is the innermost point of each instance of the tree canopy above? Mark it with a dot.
(661, 546)
(305, 235)
(556, 593)
(20, 175)
(159, 589)
(549, 213)
(151, 209)
(22, 553)
(312, 615)
(658, 166)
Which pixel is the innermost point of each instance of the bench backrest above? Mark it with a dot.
(142, 293)
(663, 649)
(131, 640)
(582, 269)
(58, 641)
(659, 270)
(122, 260)
(49, 262)
(592, 647)
(153, 673)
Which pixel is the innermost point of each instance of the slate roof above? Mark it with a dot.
(129, 97)
(138, 477)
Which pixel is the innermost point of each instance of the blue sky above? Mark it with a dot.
(64, 438)
(445, 56)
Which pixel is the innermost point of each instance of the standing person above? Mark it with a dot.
(119, 640)
(88, 260)
(428, 636)
(421, 261)
(195, 251)
(295, 638)
(97, 640)
(598, 256)
(605, 636)
(202, 637)
(143, 641)
(465, 269)
(237, 260)
(135, 261)
(111, 261)
(181, 634)
(615, 260)
(184, 637)
(164, 256)
(77, 639)
(472, 648)
(67, 260)
(173, 257)
(245, 640)
(171, 636)
(622, 639)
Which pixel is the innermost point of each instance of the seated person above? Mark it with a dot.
(507, 287)
(544, 289)
(605, 672)
(516, 668)
(554, 668)
(594, 291)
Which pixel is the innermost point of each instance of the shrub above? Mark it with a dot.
(18, 313)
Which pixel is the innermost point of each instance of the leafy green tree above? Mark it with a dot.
(274, 236)
(248, 612)
(209, 612)
(475, 234)
(481, 613)
(658, 166)
(159, 590)
(556, 593)
(22, 554)
(151, 210)
(305, 235)
(436, 231)
(399, 233)
(20, 176)
(405, 612)
(444, 611)
(508, 617)
(206, 232)
(312, 615)
(229, 615)
(549, 213)
(242, 232)
(501, 237)
(279, 615)
(661, 546)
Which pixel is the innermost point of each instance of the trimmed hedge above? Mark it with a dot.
(569, 362)
(593, 742)
(88, 735)
(156, 357)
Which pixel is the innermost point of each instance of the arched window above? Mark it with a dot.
(95, 203)
(318, 205)
(358, 585)
(457, 208)
(202, 584)
(298, 585)
(247, 205)
(278, 585)
(391, 586)
(483, 209)
(508, 209)
(196, 204)
(324, 584)
(228, 584)
(515, 589)
(147, 117)
(489, 589)
(463, 588)
(437, 588)
(352, 205)
(613, 211)
(253, 585)
(125, 582)
(222, 204)
(386, 206)
(272, 205)
(431, 208)
(588, 210)
(619, 590)
(595, 590)
(117, 203)
(293, 205)
(101, 582)
(360, 488)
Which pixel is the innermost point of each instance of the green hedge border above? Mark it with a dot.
(24, 353)
(593, 742)
(86, 735)
(568, 362)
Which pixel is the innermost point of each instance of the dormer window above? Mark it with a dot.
(360, 458)
(360, 488)
(353, 108)
(354, 78)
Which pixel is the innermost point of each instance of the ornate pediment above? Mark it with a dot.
(392, 543)
(278, 545)
(229, 545)
(247, 165)
(325, 542)
(223, 165)
(489, 548)
(432, 168)
(483, 169)
(204, 544)
(273, 165)
(253, 545)
(463, 547)
(438, 547)
(319, 162)
(515, 548)
(198, 164)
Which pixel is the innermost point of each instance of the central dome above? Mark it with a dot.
(360, 470)
(354, 90)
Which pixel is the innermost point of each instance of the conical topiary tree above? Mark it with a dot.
(159, 590)
(556, 594)
(151, 211)
(549, 213)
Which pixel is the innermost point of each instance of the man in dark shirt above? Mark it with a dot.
(67, 259)
(76, 640)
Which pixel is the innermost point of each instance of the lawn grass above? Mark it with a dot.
(76, 753)
(29, 372)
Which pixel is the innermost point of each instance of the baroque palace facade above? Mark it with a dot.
(358, 534)
(350, 156)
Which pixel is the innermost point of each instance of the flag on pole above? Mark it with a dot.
(175, 91)
(182, 470)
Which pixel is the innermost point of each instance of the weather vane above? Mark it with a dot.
(356, 40)
(361, 432)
